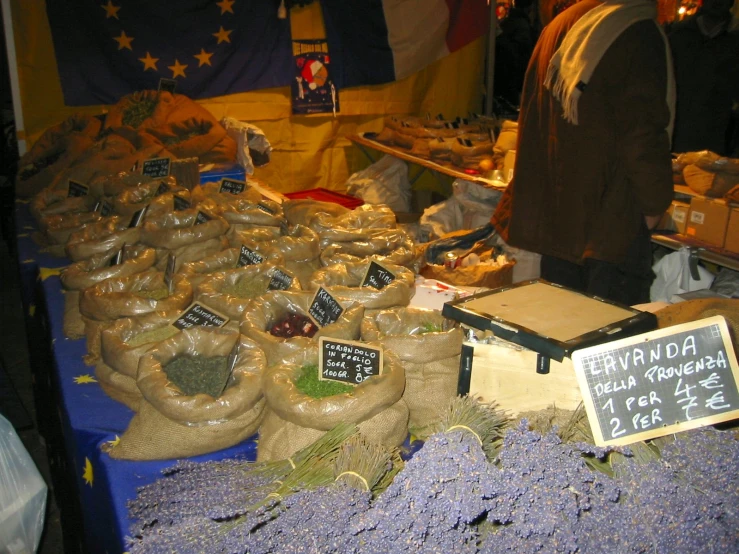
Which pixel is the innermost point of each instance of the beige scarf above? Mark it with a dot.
(573, 63)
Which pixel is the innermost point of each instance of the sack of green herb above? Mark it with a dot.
(56, 230)
(118, 386)
(278, 321)
(358, 224)
(301, 408)
(135, 295)
(86, 273)
(392, 246)
(108, 233)
(344, 282)
(190, 404)
(230, 291)
(300, 212)
(157, 195)
(428, 346)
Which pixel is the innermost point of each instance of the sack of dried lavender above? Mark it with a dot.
(428, 346)
(193, 400)
(301, 408)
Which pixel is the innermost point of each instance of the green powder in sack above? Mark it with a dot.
(309, 384)
(198, 374)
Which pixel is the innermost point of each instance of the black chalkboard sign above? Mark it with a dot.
(76, 189)
(167, 85)
(201, 218)
(106, 208)
(265, 208)
(348, 361)
(162, 189)
(660, 382)
(118, 258)
(181, 203)
(233, 186)
(280, 280)
(324, 309)
(247, 256)
(197, 314)
(138, 217)
(156, 167)
(377, 276)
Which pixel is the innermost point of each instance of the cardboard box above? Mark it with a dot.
(732, 232)
(707, 220)
(675, 218)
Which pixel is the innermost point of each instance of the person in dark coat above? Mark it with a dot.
(513, 48)
(706, 57)
(593, 164)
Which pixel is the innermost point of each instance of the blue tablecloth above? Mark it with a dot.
(87, 418)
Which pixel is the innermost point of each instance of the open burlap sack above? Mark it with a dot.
(109, 233)
(57, 148)
(220, 291)
(190, 253)
(301, 211)
(197, 137)
(360, 223)
(50, 202)
(56, 230)
(112, 184)
(252, 235)
(391, 246)
(170, 424)
(295, 420)
(118, 386)
(86, 273)
(198, 270)
(246, 214)
(120, 297)
(261, 313)
(428, 346)
(212, 191)
(344, 282)
(158, 195)
(693, 310)
(171, 230)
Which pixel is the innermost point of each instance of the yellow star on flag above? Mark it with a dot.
(222, 35)
(225, 6)
(87, 473)
(149, 62)
(113, 443)
(203, 57)
(177, 69)
(123, 41)
(84, 379)
(110, 10)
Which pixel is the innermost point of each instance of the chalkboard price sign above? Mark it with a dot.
(660, 382)
(197, 314)
(180, 203)
(201, 218)
(247, 256)
(76, 189)
(167, 85)
(233, 186)
(138, 217)
(377, 276)
(347, 361)
(105, 208)
(280, 280)
(324, 309)
(162, 188)
(156, 167)
(266, 209)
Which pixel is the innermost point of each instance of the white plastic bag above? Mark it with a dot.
(384, 182)
(253, 148)
(674, 276)
(22, 495)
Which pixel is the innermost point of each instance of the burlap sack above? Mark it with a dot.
(250, 236)
(260, 314)
(86, 273)
(212, 191)
(359, 224)
(131, 200)
(56, 230)
(207, 140)
(50, 202)
(300, 212)
(295, 420)
(693, 310)
(217, 289)
(479, 275)
(115, 183)
(172, 230)
(344, 282)
(109, 233)
(57, 148)
(430, 358)
(714, 184)
(198, 270)
(245, 214)
(392, 246)
(119, 387)
(115, 298)
(118, 348)
(170, 424)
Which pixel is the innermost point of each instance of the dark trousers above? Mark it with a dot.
(627, 283)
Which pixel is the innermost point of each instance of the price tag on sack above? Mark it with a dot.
(232, 186)
(324, 309)
(377, 276)
(138, 218)
(266, 209)
(76, 189)
(247, 256)
(156, 167)
(167, 85)
(347, 361)
(280, 280)
(199, 314)
(180, 203)
(201, 218)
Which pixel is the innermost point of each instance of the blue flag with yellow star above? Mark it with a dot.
(106, 49)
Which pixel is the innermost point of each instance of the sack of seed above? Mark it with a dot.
(301, 408)
(86, 273)
(358, 224)
(279, 322)
(230, 291)
(391, 246)
(106, 234)
(135, 295)
(300, 212)
(374, 287)
(194, 402)
(158, 195)
(428, 346)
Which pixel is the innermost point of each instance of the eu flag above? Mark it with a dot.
(106, 49)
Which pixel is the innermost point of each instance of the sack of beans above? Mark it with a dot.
(86, 273)
(301, 408)
(392, 246)
(108, 233)
(279, 322)
(137, 294)
(230, 291)
(195, 401)
(389, 286)
(428, 346)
